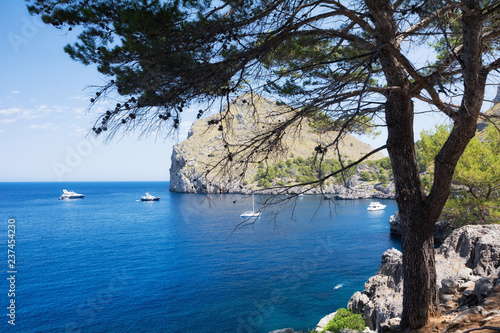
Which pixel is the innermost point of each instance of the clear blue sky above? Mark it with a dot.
(43, 123)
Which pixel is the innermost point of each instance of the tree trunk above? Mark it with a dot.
(420, 290)
(419, 213)
(420, 293)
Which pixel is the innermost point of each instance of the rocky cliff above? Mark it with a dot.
(468, 267)
(195, 167)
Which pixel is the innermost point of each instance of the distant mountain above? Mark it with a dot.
(245, 117)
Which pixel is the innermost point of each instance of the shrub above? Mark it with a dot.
(385, 163)
(366, 176)
(383, 178)
(264, 183)
(345, 319)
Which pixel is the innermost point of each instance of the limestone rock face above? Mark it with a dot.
(324, 321)
(355, 188)
(285, 330)
(382, 298)
(468, 261)
(478, 247)
(195, 164)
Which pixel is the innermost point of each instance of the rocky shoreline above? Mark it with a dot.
(468, 268)
(354, 188)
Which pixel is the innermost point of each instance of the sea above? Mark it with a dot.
(186, 263)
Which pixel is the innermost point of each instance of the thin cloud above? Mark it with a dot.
(8, 112)
(11, 115)
(46, 126)
(80, 98)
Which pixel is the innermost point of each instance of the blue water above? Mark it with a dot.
(111, 263)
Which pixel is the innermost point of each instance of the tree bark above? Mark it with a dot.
(420, 298)
(418, 212)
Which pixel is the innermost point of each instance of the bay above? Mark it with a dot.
(111, 263)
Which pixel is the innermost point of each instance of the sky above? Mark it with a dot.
(44, 96)
(44, 119)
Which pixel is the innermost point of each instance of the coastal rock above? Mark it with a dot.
(468, 258)
(441, 230)
(478, 247)
(381, 299)
(285, 330)
(324, 321)
(195, 164)
(355, 188)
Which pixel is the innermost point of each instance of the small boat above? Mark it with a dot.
(251, 213)
(71, 195)
(149, 197)
(376, 206)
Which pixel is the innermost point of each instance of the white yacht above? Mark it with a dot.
(251, 213)
(149, 197)
(376, 206)
(70, 195)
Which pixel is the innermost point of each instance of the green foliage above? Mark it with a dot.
(299, 170)
(383, 178)
(366, 176)
(426, 182)
(429, 144)
(477, 176)
(345, 319)
(385, 163)
(321, 122)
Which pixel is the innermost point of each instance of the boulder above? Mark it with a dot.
(485, 286)
(448, 286)
(285, 330)
(324, 321)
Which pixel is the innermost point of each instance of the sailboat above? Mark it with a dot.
(251, 213)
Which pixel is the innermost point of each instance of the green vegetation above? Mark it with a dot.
(477, 176)
(298, 170)
(345, 319)
(383, 178)
(366, 176)
(301, 171)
